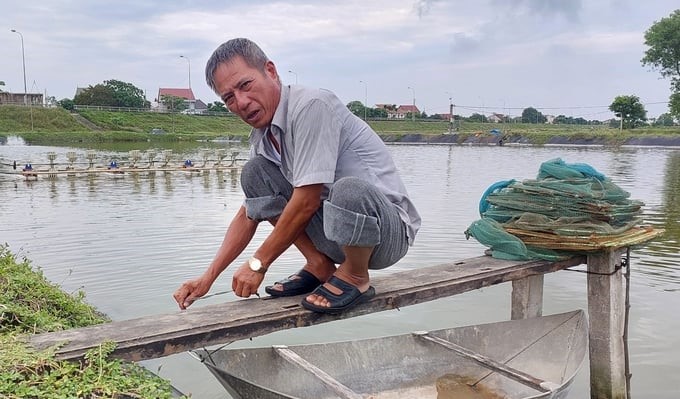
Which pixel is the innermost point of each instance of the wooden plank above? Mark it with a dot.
(166, 334)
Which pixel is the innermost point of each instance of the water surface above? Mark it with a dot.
(130, 242)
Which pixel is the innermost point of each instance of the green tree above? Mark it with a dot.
(173, 103)
(217, 106)
(630, 109)
(477, 118)
(66, 103)
(96, 95)
(113, 93)
(532, 115)
(127, 94)
(664, 120)
(377, 113)
(674, 104)
(357, 108)
(663, 39)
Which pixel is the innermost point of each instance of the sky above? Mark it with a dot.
(563, 57)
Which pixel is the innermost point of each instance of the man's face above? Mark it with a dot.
(248, 92)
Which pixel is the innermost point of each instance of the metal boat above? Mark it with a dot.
(529, 358)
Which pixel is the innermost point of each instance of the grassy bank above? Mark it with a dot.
(57, 126)
(29, 304)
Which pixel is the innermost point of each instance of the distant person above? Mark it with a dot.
(320, 175)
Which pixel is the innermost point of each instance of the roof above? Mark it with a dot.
(201, 105)
(186, 94)
(407, 108)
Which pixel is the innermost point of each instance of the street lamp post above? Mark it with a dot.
(23, 62)
(189, 61)
(450, 112)
(365, 97)
(413, 112)
(296, 76)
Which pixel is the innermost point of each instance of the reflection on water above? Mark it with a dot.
(131, 241)
(659, 259)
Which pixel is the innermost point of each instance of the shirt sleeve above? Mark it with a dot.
(316, 133)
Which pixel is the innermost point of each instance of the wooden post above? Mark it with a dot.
(606, 316)
(527, 297)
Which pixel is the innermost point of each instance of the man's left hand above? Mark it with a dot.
(245, 281)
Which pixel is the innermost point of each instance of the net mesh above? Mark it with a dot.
(568, 209)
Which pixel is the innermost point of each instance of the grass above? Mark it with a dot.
(135, 127)
(29, 304)
(24, 119)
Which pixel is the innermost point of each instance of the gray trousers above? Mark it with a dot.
(356, 213)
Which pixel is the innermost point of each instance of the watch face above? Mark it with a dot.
(255, 264)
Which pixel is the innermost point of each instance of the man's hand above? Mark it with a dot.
(190, 291)
(245, 281)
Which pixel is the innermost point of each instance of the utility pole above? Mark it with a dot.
(413, 112)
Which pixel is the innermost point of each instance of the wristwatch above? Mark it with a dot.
(256, 266)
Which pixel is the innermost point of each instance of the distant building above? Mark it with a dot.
(186, 94)
(496, 118)
(35, 99)
(404, 110)
(398, 112)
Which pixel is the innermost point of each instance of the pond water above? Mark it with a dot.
(129, 242)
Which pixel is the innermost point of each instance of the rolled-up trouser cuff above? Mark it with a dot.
(350, 228)
(265, 208)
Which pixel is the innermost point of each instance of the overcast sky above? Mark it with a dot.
(568, 57)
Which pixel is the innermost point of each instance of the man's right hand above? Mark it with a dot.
(190, 291)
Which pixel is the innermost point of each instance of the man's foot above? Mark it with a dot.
(302, 282)
(336, 296)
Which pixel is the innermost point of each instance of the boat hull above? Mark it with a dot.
(547, 349)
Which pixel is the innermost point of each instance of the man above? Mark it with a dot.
(320, 175)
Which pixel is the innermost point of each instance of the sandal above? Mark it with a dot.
(350, 297)
(302, 282)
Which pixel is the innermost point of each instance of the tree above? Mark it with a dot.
(173, 103)
(113, 93)
(664, 120)
(357, 108)
(532, 115)
(674, 104)
(66, 103)
(477, 118)
(127, 94)
(51, 101)
(663, 39)
(217, 106)
(630, 109)
(96, 95)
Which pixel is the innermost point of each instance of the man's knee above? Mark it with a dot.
(347, 192)
(253, 171)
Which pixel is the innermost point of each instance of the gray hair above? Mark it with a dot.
(251, 53)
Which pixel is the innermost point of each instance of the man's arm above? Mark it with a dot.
(238, 235)
(302, 205)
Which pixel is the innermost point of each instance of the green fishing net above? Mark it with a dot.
(568, 209)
